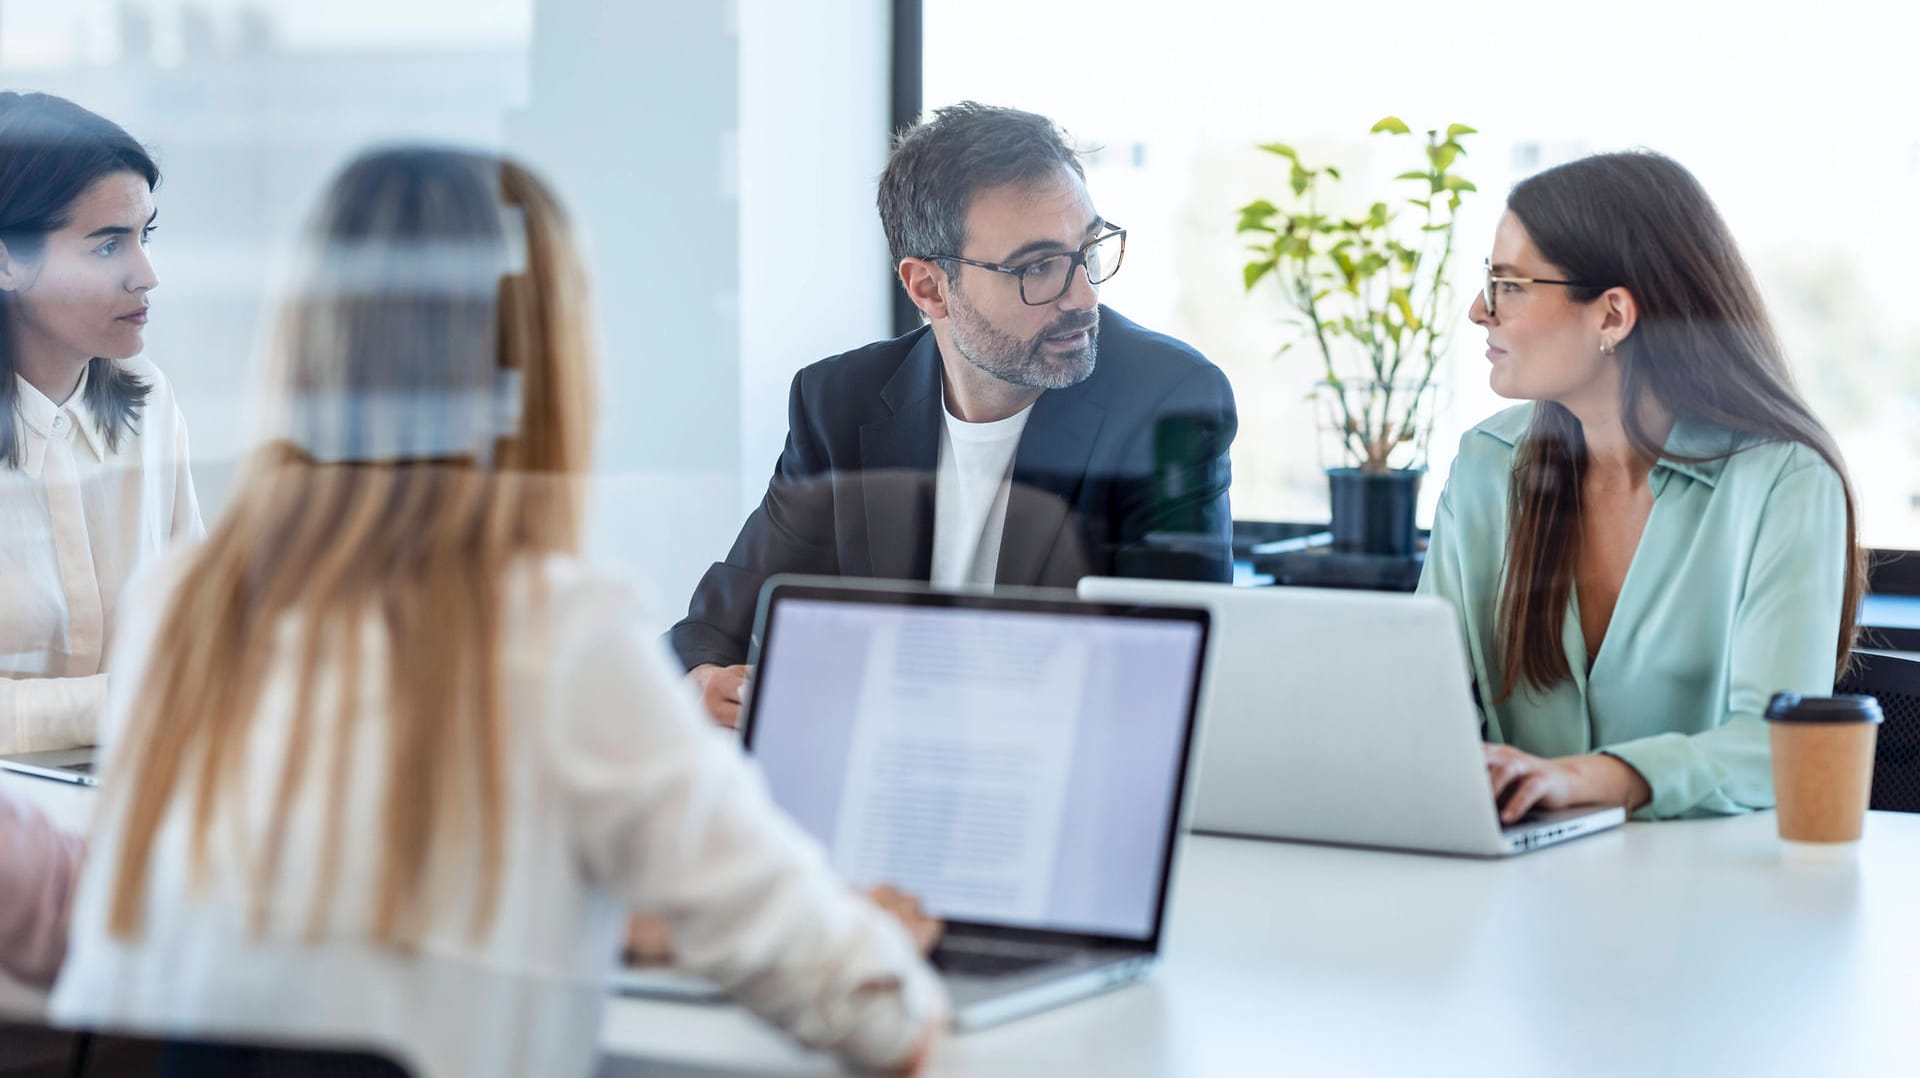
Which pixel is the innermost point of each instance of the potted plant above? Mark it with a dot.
(1372, 298)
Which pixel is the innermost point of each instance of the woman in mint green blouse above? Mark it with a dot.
(1664, 536)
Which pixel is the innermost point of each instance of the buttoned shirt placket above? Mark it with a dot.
(73, 550)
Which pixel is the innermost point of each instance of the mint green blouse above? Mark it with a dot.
(1734, 594)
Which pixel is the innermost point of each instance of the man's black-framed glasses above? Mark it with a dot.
(1492, 287)
(1044, 280)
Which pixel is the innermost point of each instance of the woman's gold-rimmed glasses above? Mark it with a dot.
(1489, 290)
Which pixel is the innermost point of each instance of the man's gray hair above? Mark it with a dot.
(939, 165)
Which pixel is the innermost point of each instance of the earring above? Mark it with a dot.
(1606, 346)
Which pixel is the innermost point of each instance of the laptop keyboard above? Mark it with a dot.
(991, 963)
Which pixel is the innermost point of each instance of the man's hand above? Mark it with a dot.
(722, 690)
(907, 910)
(1523, 782)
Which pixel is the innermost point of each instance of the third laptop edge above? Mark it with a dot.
(1344, 717)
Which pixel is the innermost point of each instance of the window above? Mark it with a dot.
(1795, 125)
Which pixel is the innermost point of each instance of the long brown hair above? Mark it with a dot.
(51, 151)
(1703, 349)
(430, 273)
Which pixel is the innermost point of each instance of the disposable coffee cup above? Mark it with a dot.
(1822, 770)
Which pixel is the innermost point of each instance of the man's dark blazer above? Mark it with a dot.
(1124, 474)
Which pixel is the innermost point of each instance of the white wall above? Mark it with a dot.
(733, 240)
(630, 113)
(814, 97)
(718, 159)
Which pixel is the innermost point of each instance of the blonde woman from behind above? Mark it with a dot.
(390, 763)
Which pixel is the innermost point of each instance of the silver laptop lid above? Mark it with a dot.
(1016, 762)
(1335, 716)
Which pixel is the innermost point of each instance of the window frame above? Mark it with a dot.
(1894, 571)
(908, 89)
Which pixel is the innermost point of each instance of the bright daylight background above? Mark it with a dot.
(719, 158)
(694, 145)
(1797, 119)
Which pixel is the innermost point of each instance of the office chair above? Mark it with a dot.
(1895, 682)
(37, 1051)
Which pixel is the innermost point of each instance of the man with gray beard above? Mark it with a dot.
(1025, 435)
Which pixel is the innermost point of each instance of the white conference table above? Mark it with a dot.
(1682, 948)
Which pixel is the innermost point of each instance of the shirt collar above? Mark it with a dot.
(1690, 438)
(39, 413)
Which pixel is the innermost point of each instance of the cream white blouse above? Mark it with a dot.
(620, 797)
(76, 520)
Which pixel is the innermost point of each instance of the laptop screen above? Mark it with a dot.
(1008, 762)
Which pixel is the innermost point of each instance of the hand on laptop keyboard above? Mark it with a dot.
(649, 942)
(925, 930)
(1523, 782)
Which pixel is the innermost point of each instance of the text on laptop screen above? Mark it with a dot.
(1004, 766)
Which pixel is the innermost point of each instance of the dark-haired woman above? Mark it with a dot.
(93, 450)
(1664, 536)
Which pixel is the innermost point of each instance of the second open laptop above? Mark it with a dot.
(1018, 763)
(62, 765)
(1344, 717)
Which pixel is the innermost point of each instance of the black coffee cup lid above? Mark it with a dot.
(1792, 707)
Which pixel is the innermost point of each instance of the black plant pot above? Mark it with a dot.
(1373, 511)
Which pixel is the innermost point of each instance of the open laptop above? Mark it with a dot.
(64, 765)
(1017, 763)
(1344, 717)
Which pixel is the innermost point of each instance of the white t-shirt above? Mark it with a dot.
(76, 520)
(970, 496)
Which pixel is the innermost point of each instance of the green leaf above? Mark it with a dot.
(1255, 215)
(1443, 157)
(1401, 300)
(1416, 174)
(1253, 271)
(1454, 131)
(1299, 180)
(1331, 171)
(1390, 124)
(1424, 204)
(1281, 149)
(1456, 183)
(1377, 215)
